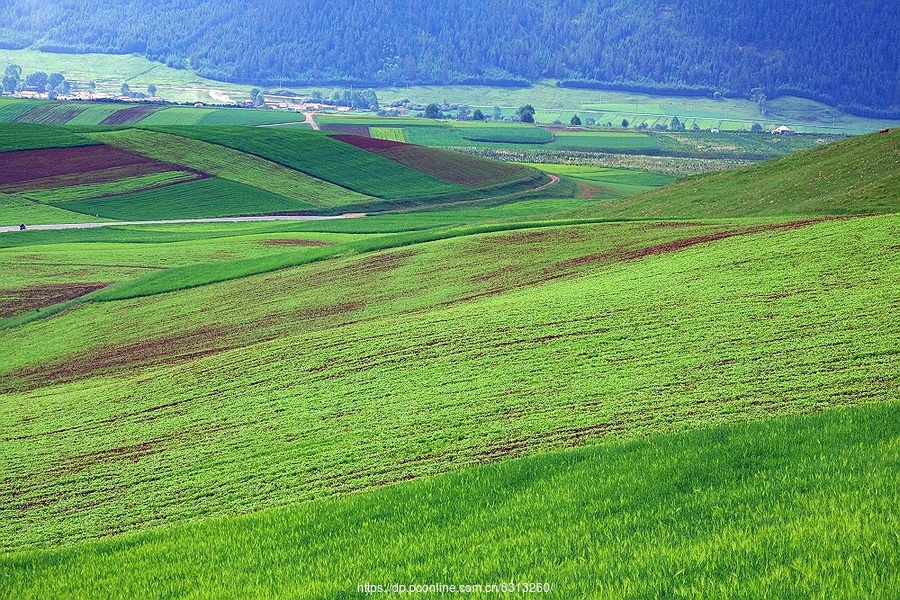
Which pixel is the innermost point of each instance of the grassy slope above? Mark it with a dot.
(231, 164)
(858, 175)
(726, 512)
(363, 382)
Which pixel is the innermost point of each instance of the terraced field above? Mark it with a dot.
(168, 381)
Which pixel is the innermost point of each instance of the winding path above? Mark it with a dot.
(4, 229)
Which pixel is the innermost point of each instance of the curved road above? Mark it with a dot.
(175, 221)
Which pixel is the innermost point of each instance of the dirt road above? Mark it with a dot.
(4, 229)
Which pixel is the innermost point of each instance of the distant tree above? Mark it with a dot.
(335, 97)
(462, 113)
(624, 123)
(478, 115)
(11, 78)
(575, 121)
(316, 96)
(151, 89)
(260, 100)
(54, 80)
(525, 114)
(254, 92)
(717, 96)
(676, 124)
(125, 89)
(371, 100)
(695, 127)
(758, 96)
(37, 81)
(498, 114)
(590, 121)
(433, 111)
(756, 128)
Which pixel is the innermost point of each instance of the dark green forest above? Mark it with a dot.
(846, 53)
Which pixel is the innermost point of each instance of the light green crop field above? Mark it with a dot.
(14, 209)
(579, 522)
(231, 164)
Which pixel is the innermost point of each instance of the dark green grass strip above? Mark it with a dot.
(32, 136)
(796, 507)
(212, 197)
(513, 134)
(318, 155)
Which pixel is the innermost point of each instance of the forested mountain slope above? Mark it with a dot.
(844, 53)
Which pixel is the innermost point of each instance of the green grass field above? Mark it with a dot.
(618, 396)
(579, 521)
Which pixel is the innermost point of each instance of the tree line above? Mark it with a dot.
(846, 53)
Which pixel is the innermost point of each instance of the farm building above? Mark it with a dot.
(783, 130)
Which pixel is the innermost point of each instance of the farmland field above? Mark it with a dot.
(230, 164)
(329, 160)
(638, 388)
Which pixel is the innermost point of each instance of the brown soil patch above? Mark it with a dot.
(16, 302)
(171, 349)
(587, 191)
(294, 242)
(356, 130)
(453, 167)
(28, 166)
(365, 142)
(127, 116)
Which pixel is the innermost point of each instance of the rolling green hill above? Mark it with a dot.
(157, 383)
(856, 176)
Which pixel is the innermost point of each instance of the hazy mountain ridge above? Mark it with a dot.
(846, 54)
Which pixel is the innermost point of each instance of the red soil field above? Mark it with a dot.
(51, 114)
(128, 116)
(20, 301)
(453, 167)
(358, 130)
(370, 144)
(31, 165)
